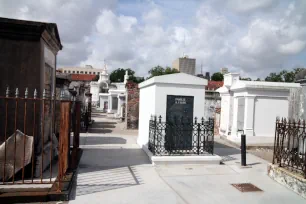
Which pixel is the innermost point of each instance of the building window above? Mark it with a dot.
(78, 72)
(94, 73)
(81, 72)
(65, 71)
(69, 72)
(98, 72)
(85, 72)
(89, 72)
(73, 72)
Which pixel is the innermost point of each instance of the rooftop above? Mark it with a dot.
(82, 77)
(179, 78)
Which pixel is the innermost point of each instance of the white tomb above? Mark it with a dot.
(252, 107)
(153, 98)
(110, 97)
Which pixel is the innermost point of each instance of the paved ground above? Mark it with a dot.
(114, 169)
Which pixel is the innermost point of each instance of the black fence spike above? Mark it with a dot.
(7, 93)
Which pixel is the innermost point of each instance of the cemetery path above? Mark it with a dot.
(113, 169)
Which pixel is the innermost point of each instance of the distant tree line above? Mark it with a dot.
(282, 76)
(118, 75)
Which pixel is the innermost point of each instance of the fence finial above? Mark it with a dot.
(155, 118)
(7, 92)
(35, 94)
(17, 93)
(159, 118)
(26, 93)
(202, 120)
(44, 94)
(195, 120)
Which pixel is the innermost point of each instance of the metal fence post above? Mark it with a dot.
(77, 125)
(243, 150)
(199, 132)
(64, 140)
(154, 136)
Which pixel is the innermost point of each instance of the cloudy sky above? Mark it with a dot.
(251, 37)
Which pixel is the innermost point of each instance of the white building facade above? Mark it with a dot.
(251, 107)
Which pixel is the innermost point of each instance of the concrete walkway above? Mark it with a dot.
(114, 169)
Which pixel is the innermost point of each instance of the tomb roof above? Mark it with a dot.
(179, 78)
(21, 29)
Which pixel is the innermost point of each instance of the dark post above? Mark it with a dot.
(243, 150)
(77, 123)
(199, 132)
(154, 135)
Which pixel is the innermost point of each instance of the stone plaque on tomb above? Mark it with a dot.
(179, 112)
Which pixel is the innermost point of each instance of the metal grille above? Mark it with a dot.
(246, 187)
(181, 137)
(32, 131)
(290, 145)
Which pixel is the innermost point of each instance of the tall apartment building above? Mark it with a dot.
(185, 65)
(88, 69)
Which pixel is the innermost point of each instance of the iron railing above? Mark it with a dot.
(181, 136)
(290, 145)
(32, 137)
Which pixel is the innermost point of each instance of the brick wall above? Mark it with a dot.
(132, 106)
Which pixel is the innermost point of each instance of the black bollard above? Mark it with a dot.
(243, 150)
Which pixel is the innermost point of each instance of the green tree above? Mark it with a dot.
(218, 76)
(283, 76)
(274, 77)
(170, 70)
(118, 75)
(245, 79)
(159, 70)
(258, 79)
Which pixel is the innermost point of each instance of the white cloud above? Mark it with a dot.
(249, 5)
(154, 16)
(250, 37)
(293, 47)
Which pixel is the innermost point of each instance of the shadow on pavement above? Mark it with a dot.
(108, 169)
(93, 140)
(225, 151)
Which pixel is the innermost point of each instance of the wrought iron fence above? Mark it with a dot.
(290, 145)
(33, 136)
(181, 136)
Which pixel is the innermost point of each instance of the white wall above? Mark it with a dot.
(210, 107)
(225, 114)
(266, 111)
(146, 109)
(102, 100)
(94, 90)
(162, 90)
